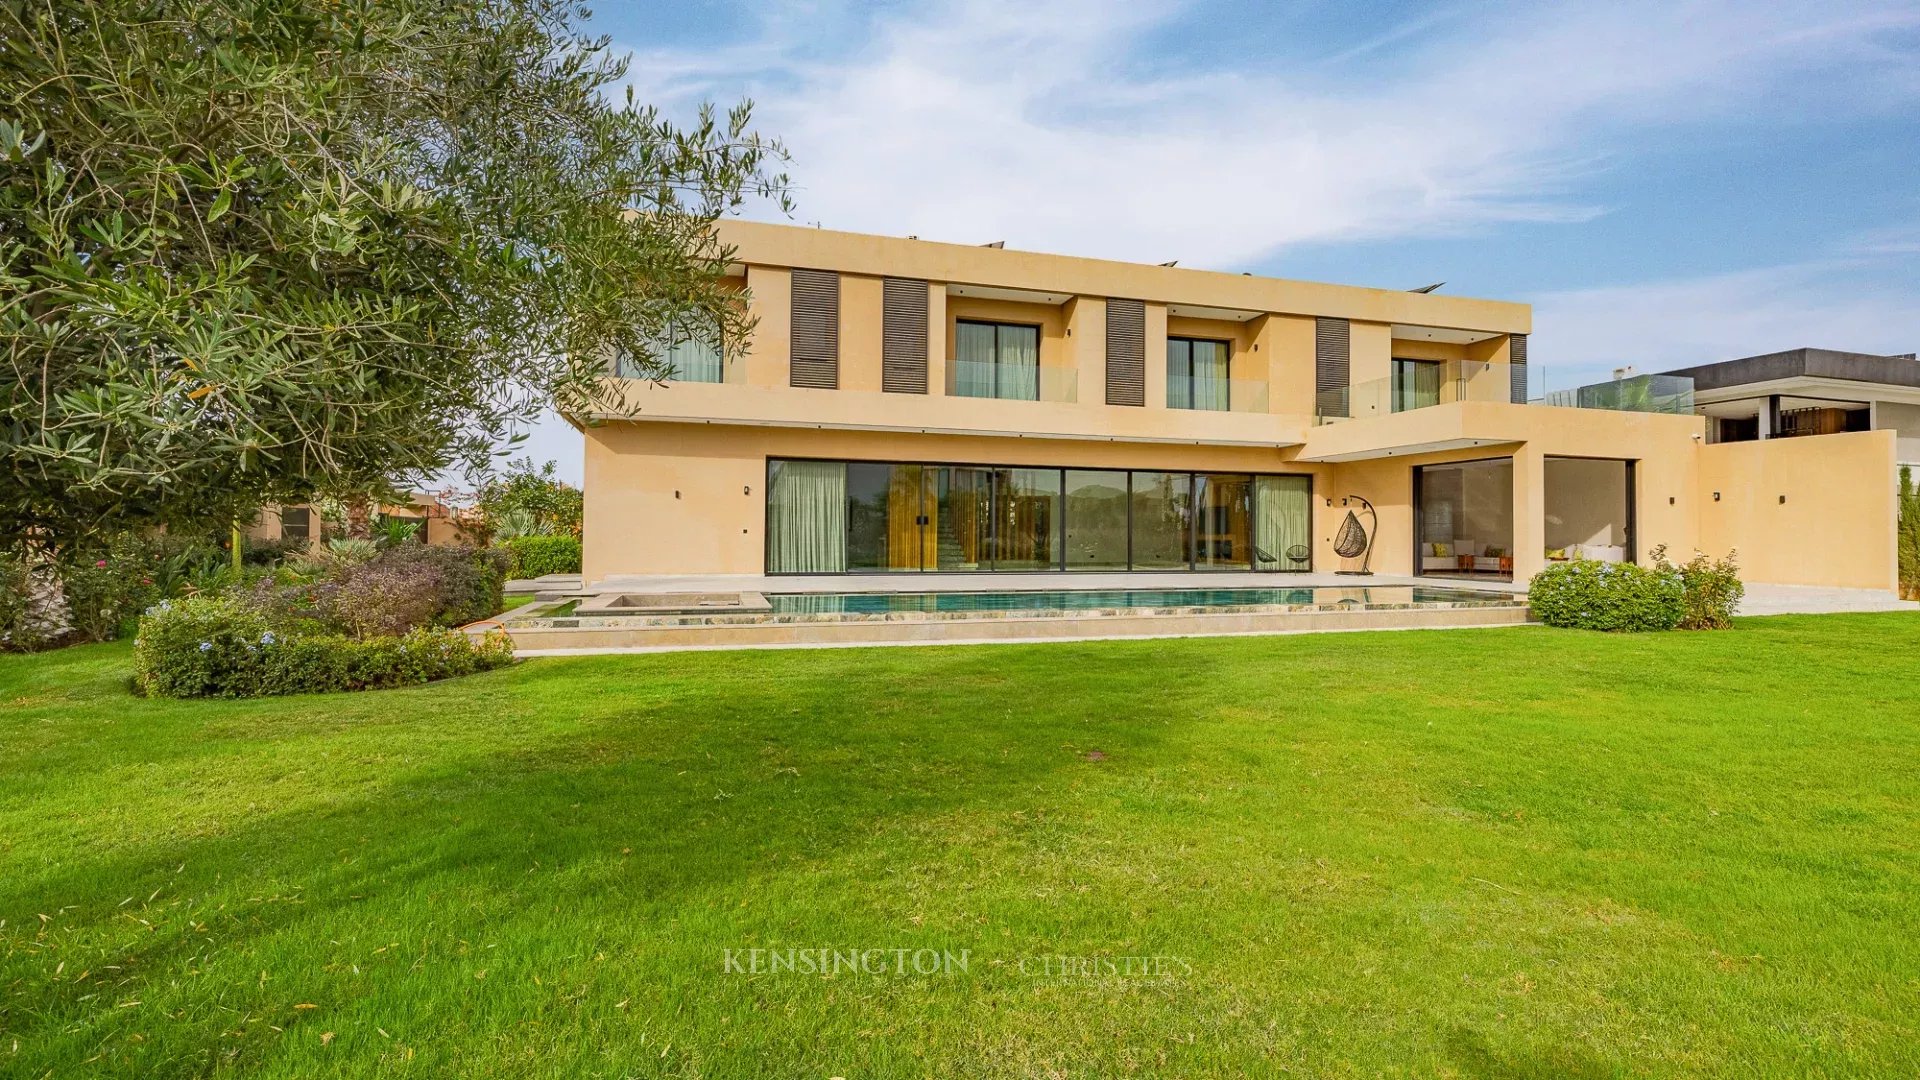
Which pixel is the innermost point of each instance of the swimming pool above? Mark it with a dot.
(1125, 599)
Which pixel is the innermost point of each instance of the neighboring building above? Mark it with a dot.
(907, 406)
(435, 521)
(1810, 392)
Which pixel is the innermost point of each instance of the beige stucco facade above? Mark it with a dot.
(676, 478)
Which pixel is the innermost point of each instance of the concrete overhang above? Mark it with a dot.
(1465, 425)
(938, 414)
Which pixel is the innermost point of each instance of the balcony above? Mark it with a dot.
(1422, 384)
(1635, 393)
(1228, 395)
(1012, 382)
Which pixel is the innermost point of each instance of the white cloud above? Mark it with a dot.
(1059, 126)
(1581, 335)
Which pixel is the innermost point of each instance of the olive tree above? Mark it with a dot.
(260, 250)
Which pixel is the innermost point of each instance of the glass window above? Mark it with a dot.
(1465, 518)
(996, 360)
(685, 357)
(1160, 525)
(1026, 510)
(962, 519)
(295, 522)
(1416, 384)
(1222, 522)
(1283, 522)
(1197, 373)
(884, 517)
(806, 517)
(1096, 519)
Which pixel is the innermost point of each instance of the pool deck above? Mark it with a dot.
(915, 628)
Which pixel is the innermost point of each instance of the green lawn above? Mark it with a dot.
(1516, 852)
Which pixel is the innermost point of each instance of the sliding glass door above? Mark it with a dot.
(1416, 384)
(1096, 519)
(829, 517)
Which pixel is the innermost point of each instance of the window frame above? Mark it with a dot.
(998, 325)
(1190, 340)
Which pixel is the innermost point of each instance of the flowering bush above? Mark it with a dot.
(1589, 595)
(231, 646)
(107, 587)
(387, 598)
(1712, 589)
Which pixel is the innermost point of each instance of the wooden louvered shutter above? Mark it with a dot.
(1332, 366)
(903, 336)
(1126, 352)
(1517, 344)
(816, 329)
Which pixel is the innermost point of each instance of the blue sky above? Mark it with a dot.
(1667, 183)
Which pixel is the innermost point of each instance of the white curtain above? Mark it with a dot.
(694, 361)
(973, 360)
(1179, 373)
(1283, 519)
(1210, 375)
(807, 518)
(1020, 363)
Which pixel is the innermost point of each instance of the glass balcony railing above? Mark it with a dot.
(1230, 395)
(1418, 385)
(1422, 384)
(1011, 382)
(1635, 393)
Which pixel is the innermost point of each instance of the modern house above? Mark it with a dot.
(908, 407)
(1810, 392)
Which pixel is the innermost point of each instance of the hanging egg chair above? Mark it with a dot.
(1354, 540)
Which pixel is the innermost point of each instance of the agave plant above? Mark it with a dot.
(348, 551)
(392, 532)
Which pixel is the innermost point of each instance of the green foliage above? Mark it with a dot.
(1909, 536)
(256, 250)
(466, 582)
(392, 532)
(108, 587)
(525, 501)
(1712, 589)
(537, 556)
(1589, 595)
(225, 646)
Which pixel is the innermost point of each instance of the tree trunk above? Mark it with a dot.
(359, 519)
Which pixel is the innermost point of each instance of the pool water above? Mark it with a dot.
(1108, 599)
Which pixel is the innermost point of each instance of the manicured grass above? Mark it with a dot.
(517, 600)
(1517, 852)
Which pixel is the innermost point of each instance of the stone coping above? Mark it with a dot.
(585, 620)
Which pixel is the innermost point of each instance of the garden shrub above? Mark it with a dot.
(108, 586)
(1908, 536)
(387, 597)
(1588, 595)
(230, 646)
(538, 556)
(1711, 588)
(470, 578)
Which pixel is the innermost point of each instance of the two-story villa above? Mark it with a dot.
(908, 407)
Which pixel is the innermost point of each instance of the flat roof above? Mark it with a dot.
(1065, 276)
(1898, 370)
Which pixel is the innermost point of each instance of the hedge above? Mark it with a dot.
(228, 646)
(538, 556)
(1589, 595)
